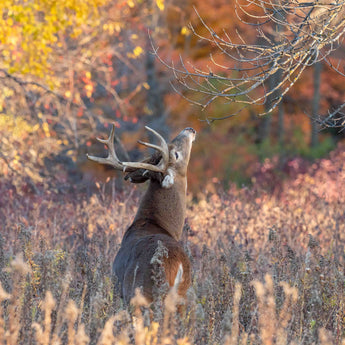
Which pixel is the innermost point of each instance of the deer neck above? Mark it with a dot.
(164, 207)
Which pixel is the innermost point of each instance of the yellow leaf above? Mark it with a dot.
(36, 127)
(160, 4)
(146, 86)
(46, 129)
(137, 51)
(117, 27)
(185, 31)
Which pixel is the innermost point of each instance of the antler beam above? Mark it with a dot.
(114, 161)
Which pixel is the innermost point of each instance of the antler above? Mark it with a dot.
(114, 161)
(112, 158)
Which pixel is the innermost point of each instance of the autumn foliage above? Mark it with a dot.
(265, 226)
(68, 69)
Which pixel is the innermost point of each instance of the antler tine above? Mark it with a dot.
(112, 158)
(114, 161)
(163, 149)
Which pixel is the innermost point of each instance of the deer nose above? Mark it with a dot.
(190, 129)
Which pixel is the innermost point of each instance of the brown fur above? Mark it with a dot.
(160, 217)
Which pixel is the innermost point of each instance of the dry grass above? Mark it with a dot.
(268, 266)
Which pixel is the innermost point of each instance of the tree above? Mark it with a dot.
(57, 58)
(315, 104)
(68, 68)
(305, 33)
(44, 50)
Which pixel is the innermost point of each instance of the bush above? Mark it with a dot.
(268, 264)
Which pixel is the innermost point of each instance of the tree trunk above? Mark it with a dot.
(314, 140)
(273, 81)
(281, 129)
(155, 100)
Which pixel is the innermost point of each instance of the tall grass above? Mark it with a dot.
(268, 265)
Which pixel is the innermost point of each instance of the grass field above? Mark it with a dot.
(268, 264)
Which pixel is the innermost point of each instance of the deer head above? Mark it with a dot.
(160, 216)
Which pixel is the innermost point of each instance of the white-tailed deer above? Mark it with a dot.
(160, 216)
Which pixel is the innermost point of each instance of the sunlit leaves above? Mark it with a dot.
(137, 51)
(185, 31)
(30, 31)
(18, 127)
(160, 4)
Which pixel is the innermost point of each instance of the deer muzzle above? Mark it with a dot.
(190, 131)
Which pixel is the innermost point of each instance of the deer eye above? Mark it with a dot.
(176, 155)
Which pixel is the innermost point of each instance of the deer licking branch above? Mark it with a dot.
(160, 216)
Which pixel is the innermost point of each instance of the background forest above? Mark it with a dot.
(265, 227)
(69, 70)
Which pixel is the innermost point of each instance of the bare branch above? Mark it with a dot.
(309, 32)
